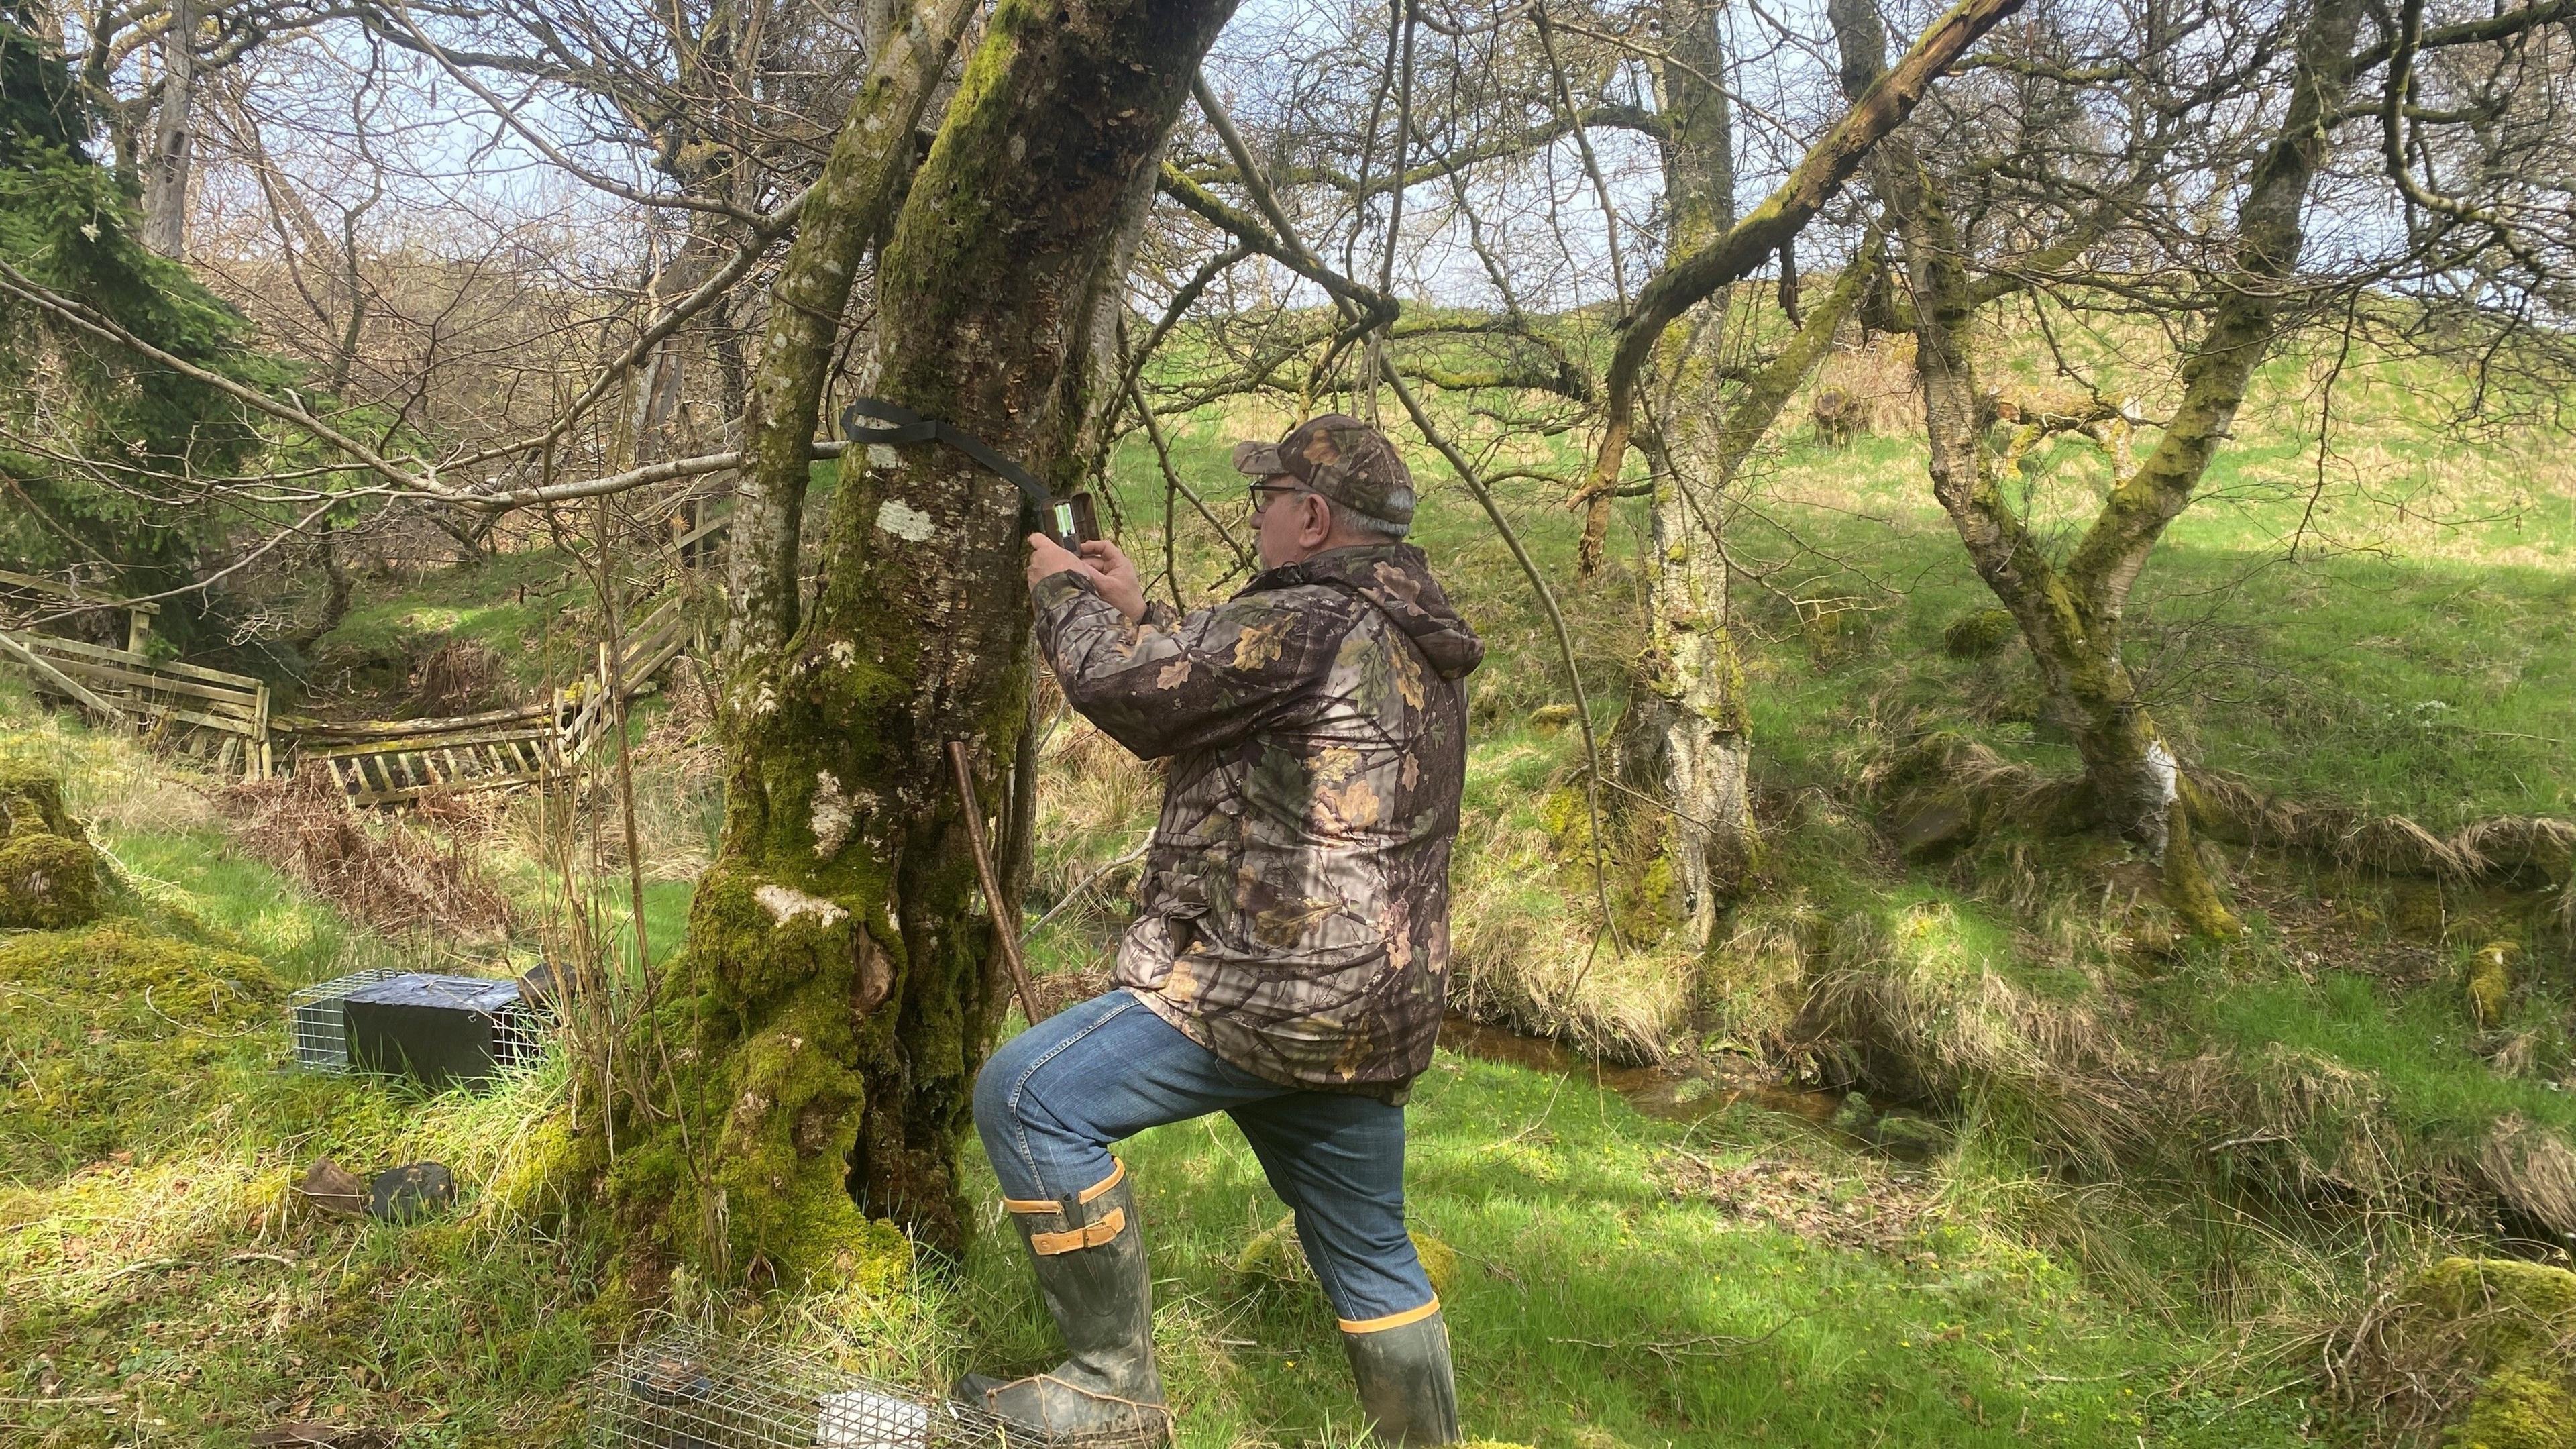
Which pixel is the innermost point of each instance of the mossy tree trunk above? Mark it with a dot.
(2072, 613)
(1686, 740)
(839, 991)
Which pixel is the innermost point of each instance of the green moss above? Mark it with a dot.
(2521, 1305)
(2511, 1320)
(2490, 986)
(1649, 900)
(110, 1030)
(1273, 1260)
(2520, 1406)
(1979, 635)
(27, 791)
(47, 881)
(48, 871)
(1835, 633)
(539, 1182)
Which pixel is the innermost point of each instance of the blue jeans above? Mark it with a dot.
(1054, 1097)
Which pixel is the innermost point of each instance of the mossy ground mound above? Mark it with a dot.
(1272, 1267)
(49, 874)
(1979, 635)
(2506, 1330)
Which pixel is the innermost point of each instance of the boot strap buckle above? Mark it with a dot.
(1090, 1235)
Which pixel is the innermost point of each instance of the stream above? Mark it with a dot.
(1678, 1092)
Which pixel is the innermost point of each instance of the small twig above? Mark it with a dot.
(1088, 882)
(1172, 481)
(32, 1084)
(1706, 1345)
(972, 814)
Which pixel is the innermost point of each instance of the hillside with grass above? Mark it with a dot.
(1956, 1137)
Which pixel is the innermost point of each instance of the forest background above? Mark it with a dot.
(2016, 875)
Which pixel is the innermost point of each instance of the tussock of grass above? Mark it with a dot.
(387, 872)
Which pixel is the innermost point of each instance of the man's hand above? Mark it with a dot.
(1110, 571)
(1116, 574)
(1047, 557)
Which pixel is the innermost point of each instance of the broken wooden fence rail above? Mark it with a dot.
(395, 762)
(219, 717)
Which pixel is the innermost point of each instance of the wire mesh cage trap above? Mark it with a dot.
(441, 1029)
(693, 1390)
(317, 1022)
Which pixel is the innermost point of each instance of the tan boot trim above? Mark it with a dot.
(1118, 1169)
(1092, 1235)
(1392, 1320)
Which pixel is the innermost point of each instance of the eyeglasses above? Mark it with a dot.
(1262, 493)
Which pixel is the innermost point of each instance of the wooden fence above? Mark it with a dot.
(392, 762)
(222, 719)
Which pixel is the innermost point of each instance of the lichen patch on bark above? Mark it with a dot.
(831, 816)
(785, 905)
(904, 521)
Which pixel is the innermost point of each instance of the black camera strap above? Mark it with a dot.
(912, 427)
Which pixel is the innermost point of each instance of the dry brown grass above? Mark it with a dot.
(1525, 953)
(394, 875)
(1886, 395)
(1912, 1008)
(2515, 852)
(1875, 1208)
(1096, 805)
(460, 677)
(2534, 1170)
(2428, 1345)
(2527, 852)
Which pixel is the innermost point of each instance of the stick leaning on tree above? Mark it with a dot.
(1003, 932)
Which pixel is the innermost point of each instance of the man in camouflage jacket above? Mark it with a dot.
(1288, 963)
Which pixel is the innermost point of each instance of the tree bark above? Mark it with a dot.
(839, 992)
(1688, 280)
(1690, 738)
(752, 1051)
(1686, 741)
(165, 179)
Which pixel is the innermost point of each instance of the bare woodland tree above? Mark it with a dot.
(2088, 167)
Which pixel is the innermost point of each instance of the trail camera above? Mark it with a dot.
(1070, 521)
(692, 1390)
(439, 1030)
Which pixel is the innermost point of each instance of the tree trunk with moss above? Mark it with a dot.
(2072, 614)
(1686, 741)
(823, 1029)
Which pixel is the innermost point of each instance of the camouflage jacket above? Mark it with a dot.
(1294, 915)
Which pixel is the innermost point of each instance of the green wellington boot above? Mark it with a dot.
(1091, 1270)
(1406, 1388)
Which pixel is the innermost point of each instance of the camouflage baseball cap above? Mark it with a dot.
(1342, 458)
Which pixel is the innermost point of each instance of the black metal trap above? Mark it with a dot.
(439, 1030)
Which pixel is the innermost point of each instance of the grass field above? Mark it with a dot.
(1613, 1278)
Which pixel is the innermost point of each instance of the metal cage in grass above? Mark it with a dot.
(693, 1390)
(317, 1022)
(493, 1025)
